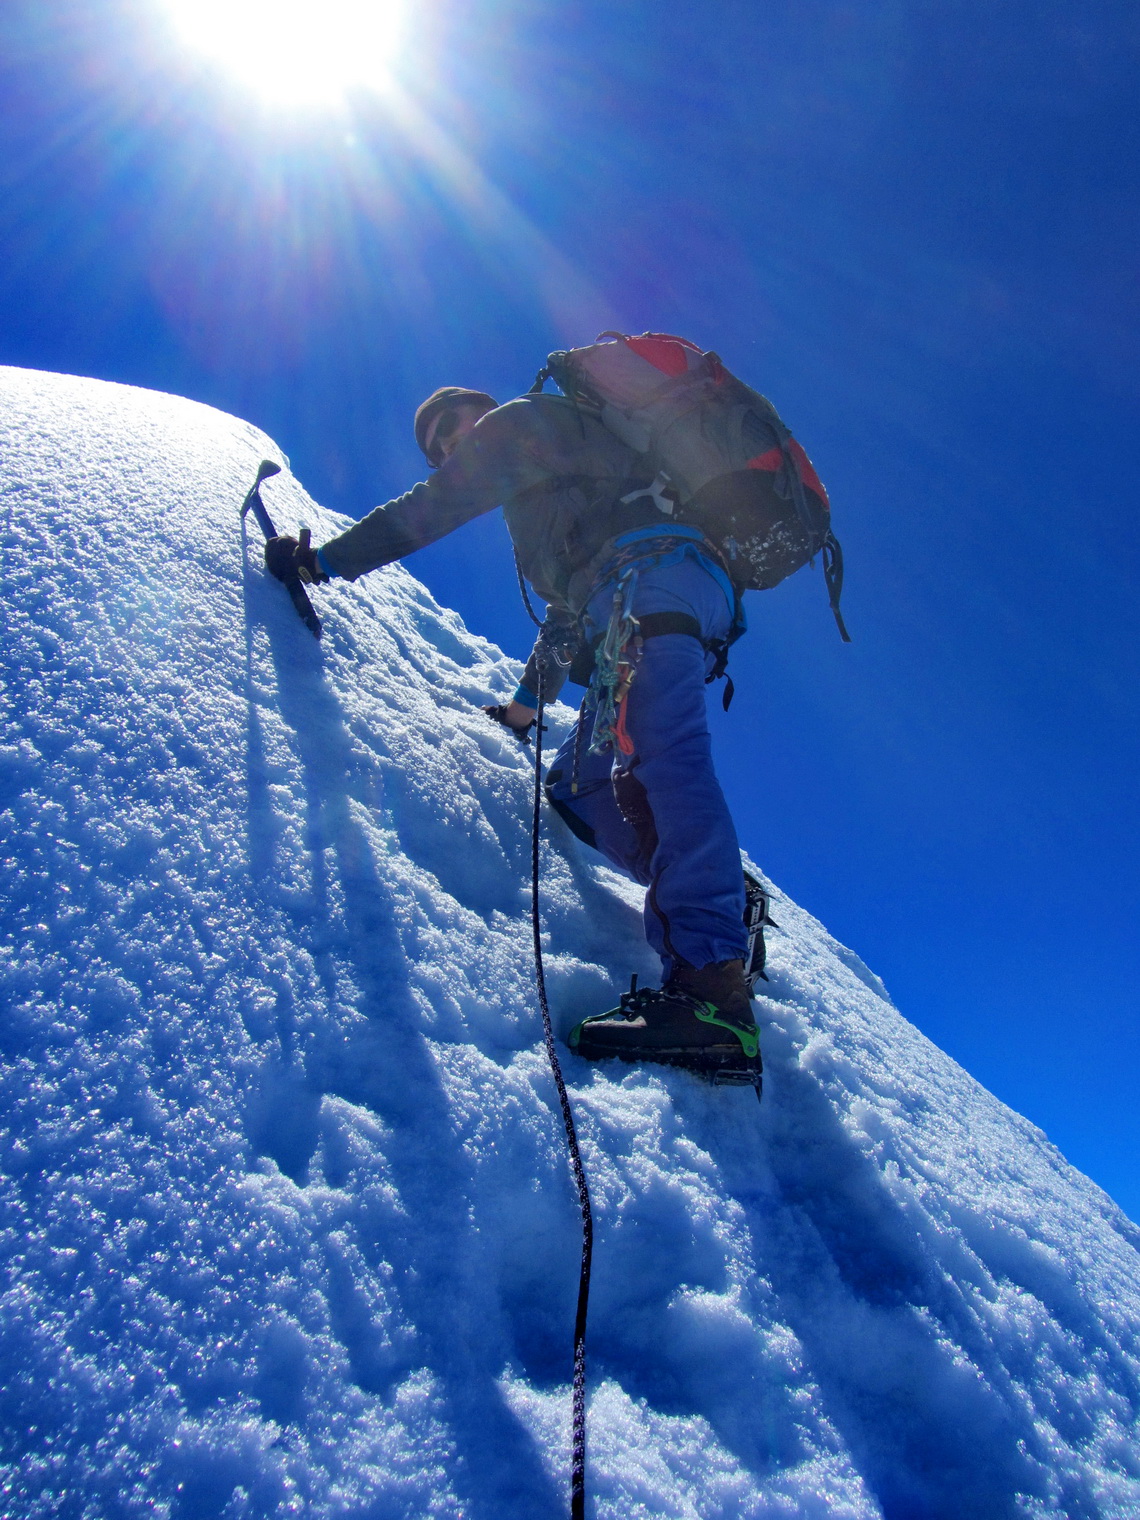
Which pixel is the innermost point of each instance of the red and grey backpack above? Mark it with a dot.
(724, 460)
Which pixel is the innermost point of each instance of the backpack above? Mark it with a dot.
(725, 462)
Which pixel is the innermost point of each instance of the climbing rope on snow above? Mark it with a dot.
(578, 1438)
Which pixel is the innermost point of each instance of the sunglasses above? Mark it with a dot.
(441, 430)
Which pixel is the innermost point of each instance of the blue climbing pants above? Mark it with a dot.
(659, 814)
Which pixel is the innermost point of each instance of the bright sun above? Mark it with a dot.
(296, 50)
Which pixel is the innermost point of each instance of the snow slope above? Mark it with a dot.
(287, 1221)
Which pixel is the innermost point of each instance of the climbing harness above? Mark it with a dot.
(609, 665)
(619, 648)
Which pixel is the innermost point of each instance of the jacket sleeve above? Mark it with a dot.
(487, 467)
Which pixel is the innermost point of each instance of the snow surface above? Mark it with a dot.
(288, 1225)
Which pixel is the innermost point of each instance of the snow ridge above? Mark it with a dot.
(287, 1221)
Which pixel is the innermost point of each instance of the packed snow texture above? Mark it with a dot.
(288, 1224)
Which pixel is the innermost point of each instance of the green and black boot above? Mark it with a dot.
(701, 1020)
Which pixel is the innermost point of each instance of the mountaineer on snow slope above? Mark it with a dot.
(642, 575)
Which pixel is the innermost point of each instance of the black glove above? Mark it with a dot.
(499, 714)
(291, 560)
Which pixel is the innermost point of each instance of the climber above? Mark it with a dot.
(591, 537)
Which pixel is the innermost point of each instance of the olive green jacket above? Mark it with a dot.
(559, 475)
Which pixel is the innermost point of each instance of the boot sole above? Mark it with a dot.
(719, 1065)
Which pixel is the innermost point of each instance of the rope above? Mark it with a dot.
(578, 1440)
(534, 617)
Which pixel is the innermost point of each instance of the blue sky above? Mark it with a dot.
(915, 227)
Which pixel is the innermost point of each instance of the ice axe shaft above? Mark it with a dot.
(253, 503)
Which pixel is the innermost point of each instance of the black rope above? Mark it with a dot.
(578, 1444)
(534, 617)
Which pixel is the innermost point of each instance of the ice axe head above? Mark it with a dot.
(253, 495)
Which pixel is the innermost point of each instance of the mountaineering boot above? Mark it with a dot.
(701, 1019)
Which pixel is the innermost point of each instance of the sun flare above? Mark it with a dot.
(302, 51)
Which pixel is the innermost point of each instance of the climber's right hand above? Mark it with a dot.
(289, 559)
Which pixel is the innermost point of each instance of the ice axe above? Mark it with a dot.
(293, 586)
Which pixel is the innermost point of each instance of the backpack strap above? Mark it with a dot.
(829, 548)
(831, 552)
(833, 575)
(719, 651)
